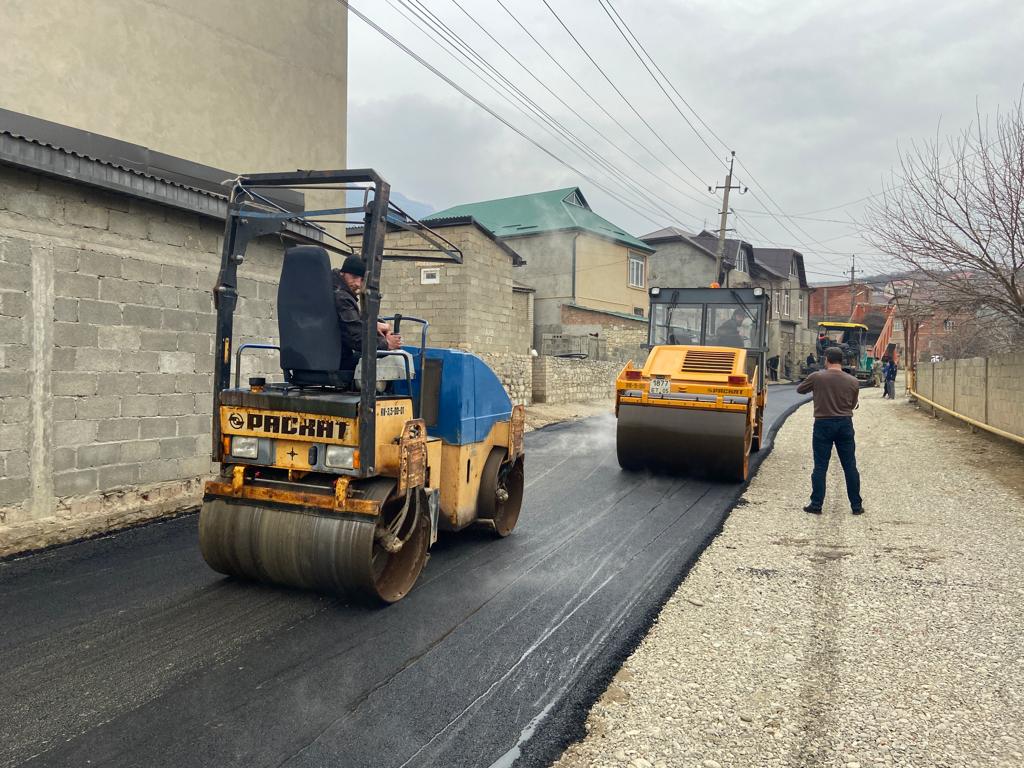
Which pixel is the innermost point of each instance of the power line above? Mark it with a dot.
(670, 85)
(655, 79)
(586, 92)
(595, 155)
(767, 209)
(478, 64)
(613, 144)
(423, 62)
(621, 94)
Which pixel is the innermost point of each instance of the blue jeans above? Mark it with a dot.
(838, 432)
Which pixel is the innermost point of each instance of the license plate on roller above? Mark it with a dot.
(659, 386)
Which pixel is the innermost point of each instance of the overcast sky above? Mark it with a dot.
(814, 97)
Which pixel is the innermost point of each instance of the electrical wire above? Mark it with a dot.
(423, 62)
(621, 94)
(519, 97)
(613, 144)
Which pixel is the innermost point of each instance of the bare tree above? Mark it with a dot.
(952, 218)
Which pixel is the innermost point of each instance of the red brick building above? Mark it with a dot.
(832, 301)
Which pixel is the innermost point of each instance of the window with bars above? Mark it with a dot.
(948, 325)
(637, 271)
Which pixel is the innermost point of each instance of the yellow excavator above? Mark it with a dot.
(696, 405)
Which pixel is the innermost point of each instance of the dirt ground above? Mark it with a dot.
(895, 638)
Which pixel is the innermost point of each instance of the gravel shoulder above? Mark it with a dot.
(894, 638)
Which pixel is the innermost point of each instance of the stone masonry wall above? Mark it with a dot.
(560, 380)
(106, 355)
(989, 390)
(624, 338)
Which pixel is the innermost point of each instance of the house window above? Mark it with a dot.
(802, 298)
(638, 311)
(948, 325)
(792, 269)
(786, 305)
(778, 302)
(741, 261)
(636, 271)
(897, 324)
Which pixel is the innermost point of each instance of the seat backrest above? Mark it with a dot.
(307, 321)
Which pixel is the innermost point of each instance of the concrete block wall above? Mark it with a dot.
(473, 307)
(989, 390)
(970, 391)
(560, 380)
(106, 355)
(1005, 393)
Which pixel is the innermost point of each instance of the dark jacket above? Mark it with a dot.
(347, 305)
(729, 334)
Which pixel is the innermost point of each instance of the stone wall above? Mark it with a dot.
(558, 380)
(623, 337)
(989, 390)
(106, 355)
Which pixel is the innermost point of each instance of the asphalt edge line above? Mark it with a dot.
(158, 520)
(569, 716)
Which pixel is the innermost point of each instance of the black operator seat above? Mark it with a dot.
(307, 320)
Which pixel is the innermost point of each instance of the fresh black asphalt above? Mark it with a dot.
(128, 651)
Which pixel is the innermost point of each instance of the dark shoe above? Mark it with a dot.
(812, 509)
(858, 510)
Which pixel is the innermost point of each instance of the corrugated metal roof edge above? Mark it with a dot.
(589, 231)
(58, 150)
(456, 221)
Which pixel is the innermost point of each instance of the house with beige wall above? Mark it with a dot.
(574, 259)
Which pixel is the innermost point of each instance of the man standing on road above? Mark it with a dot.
(835, 397)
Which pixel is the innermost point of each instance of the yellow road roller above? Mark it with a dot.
(338, 479)
(696, 406)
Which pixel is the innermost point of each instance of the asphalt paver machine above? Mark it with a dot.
(851, 339)
(696, 405)
(339, 480)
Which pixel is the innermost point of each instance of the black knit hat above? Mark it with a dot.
(354, 266)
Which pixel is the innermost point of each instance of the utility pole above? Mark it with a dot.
(725, 215)
(853, 272)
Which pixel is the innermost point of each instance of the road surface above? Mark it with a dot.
(129, 651)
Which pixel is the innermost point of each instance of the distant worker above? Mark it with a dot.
(773, 368)
(810, 360)
(835, 398)
(889, 371)
(728, 334)
(346, 283)
(823, 343)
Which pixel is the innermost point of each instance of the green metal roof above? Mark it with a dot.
(559, 209)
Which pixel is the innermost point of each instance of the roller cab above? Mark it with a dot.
(339, 476)
(696, 407)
